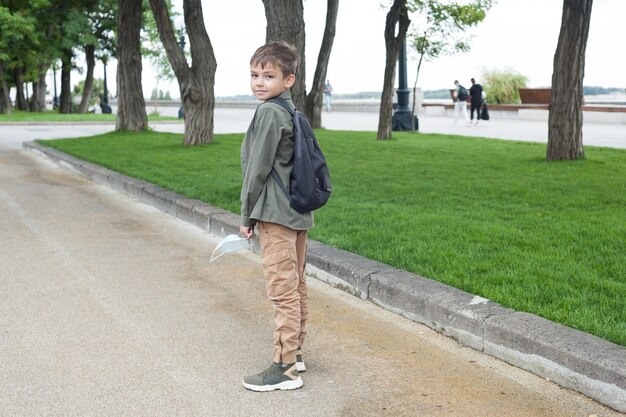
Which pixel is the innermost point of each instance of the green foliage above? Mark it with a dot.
(34, 34)
(487, 216)
(501, 86)
(161, 95)
(17, 27)
(103, 22)
(439, 27)
(97, 90)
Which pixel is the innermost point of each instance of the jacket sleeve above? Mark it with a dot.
(263, 144)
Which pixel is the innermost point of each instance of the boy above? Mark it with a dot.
(282, 230)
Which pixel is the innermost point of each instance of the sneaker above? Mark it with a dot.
(299, 362)
(275, 377)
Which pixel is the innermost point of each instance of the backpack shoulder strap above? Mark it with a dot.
(292, 110)
(284, 103)
(279, 182)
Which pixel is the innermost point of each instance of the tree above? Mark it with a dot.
(66, 25)
(285, 22)
(18, 81)
(65, 104)
(90, 59)
(101, 21)
(396, 27)
(21, 47)
(97, 90)
(49, 30)
(440, 27)
(37, 60)
(15, 29)
(565, 121)
(131, 110)
(197, 82)
(314, 99)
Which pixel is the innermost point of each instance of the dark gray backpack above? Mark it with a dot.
(463, 93)
(309, 182)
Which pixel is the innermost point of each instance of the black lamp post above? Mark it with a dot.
(401, 120)
(104, 103)
(55, 100)
(181, 43)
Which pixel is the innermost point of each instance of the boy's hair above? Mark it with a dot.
(279, 53)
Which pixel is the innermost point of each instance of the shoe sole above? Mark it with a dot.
(286, 385)
(300, 367)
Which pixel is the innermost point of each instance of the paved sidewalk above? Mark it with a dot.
(233, 120)
(109, 307)
(236, 120)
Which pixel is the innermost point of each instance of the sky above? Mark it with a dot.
(517, 35)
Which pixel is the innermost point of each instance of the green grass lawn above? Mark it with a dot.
(487, 216)
(55, 116)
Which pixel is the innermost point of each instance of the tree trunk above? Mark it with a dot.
(65, 106)
(565, 120)
(38, 101)
(197, 82)
(5, 105)
(90, 57)
(131, 110)
(285, 22)
(397, 16)
(314, 100)
(20, 98)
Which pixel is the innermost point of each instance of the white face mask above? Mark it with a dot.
(231, 243)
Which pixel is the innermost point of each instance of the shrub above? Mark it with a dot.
(502, 86)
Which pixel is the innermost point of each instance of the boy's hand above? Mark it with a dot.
(246, 232)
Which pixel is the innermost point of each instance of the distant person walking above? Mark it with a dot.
(460, 102)
(328, 96)
(476, 92)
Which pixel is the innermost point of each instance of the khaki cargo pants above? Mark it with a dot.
(283, 251)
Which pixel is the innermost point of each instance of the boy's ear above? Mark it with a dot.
(290, 80)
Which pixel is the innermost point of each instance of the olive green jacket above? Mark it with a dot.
(269, 143)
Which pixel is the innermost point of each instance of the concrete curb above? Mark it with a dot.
(570, 358)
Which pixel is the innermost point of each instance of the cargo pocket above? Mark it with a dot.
(281, 276)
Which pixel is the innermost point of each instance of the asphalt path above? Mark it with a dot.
(109, 307)
(236, 120)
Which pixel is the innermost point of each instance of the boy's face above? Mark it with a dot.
(269, 82)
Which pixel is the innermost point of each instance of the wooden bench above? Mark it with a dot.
(535, 95)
